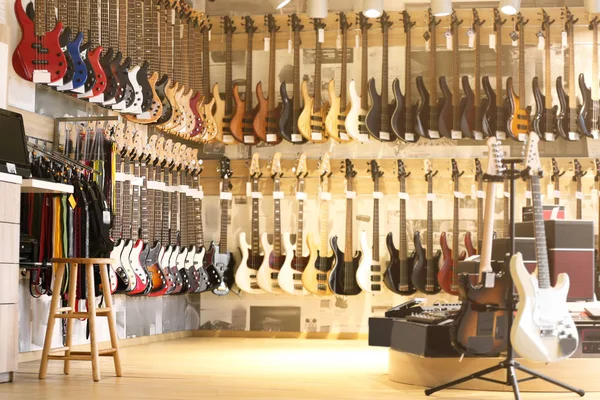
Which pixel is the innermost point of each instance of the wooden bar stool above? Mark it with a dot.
(91, 313)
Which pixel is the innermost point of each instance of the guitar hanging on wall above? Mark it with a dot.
(567, 117)
(449, 109)
(589, 113)
(480, 195)
(578, 173)
(493, 119)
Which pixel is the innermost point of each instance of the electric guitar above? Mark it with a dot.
(247, 271)
(567, 117)
(378, 117)
(219, 257)
(480, 326)
(96, 80)
(334, 122)
(208, 106)
(178, 216)
(556, 174)
(397, 275)
(359, 105)
(188, 203)
(74, 45)
(275, 256)
(368, 274)
(587, 118)
(290, 275)
(291, 108)
(578, 173)
(402, 117)
(100, 34)
(314, 277)
(447, 276)
(449, 109)
(543, 329)
(479, 194)
(224, 109)
(311, 120)
(427, 118)
(38, 56)
(342, 277)
(494, 120)
(426, 266)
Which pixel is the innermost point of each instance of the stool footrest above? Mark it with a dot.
(103, 352)
(72, 357)
(63, 309)
(60, 349)
(84, 314)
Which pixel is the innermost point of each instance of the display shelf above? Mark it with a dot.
(40, 186)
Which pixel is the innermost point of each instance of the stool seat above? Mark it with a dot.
(92, 312)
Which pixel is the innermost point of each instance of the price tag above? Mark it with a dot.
(248, 189)
(138, 181)
(427, 45)
(183, 188)
(378, 195)
(350, 195)
(153, 185)
(256, 195)
(409, 137)
(169, 189)
(290, 46)
(267, 44)
(500, 135)
(573, 136)
(515, 43)
(228, 139)
(403, 195)
(199, 194)
(357, 41)
(473, 191)
(541, 43)
(301, 196)
(296, 137)
(277, 195)
(316, 136)
(363, 137)
(344, 136)
(106, 217)
(579, 195)
(478, 135)
(72, 201)
(271, 137)
(209, 35)
(527, 194)
(550, 137)
(522, 137)
(325, 196)
(321, 35)
(41, 76)
(434, 134)
(338, 41)
(456, 134)
(556, 194)
(471, 35)
(226, 196)
(564, 39)
(431, 197)
(384, 135)
(507, 194)
(493, 41)
(550, 190)
(248, 139)
(480, 194)
(459, 195)
(120, 177)
(448, 35)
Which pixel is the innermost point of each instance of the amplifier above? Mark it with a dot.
(589, 341)
(527, 212)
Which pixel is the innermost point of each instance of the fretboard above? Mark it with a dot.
(477, 75)
(408, 84)
(455, 231)
(127, 203)
(174, 208)
(344, 73)
(169, 18)
(479, 210)
(162, 34)
(522, 66)
(145, 212)
(348, 253)
(455, 76)
(135, 203)
(376, 222)
(548, 72)
(43, 20)
(571, 71)
(556, 189)
(385, 118)
(206, 63)
(403, 246)
(165, 239)
(112, 30)
(432, 66)
(272, 66)
(539, 232)
(317, 84)
(364, 71)
(84, 22)
(151, 37)
(255, 219)
(300, 233)
(224, 219)
(199, 230)
(183, 217)
(499, 97)
(578, 199)
(177, 45)
(117, 231)
(297, 101)
(430, 220)
(324, 221)
(248, 97)
(121, 22)
(276, 219)
(157, 209)
(191, 211)
(228, 74)
(506, 222)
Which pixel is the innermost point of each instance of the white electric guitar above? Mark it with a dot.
(290, 276)
(543, 329)
(245, 275)
(275, 256)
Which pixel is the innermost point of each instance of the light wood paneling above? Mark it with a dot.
(36, 125)
(9, 237)
(9, 346)
(9, 288)
(10, 206)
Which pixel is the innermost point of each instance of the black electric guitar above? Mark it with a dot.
(342, 278)
(426, 266)
(567, 118)
(587, 119)
(220, 258)
(449, 109)
(399, 270)
(426, 121)
(493, 119)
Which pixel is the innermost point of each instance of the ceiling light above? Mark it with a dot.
(372, 8)
(278, 4)
(510, 7)
(441, 8)
(592, 6)
(317, 9)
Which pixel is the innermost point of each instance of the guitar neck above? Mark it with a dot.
(539, 233)
(164, 54)
(206, 63)
(403, 245)
(348, 252)
(127, 203)
(408, 83)
(430, 220)
(135, 204)
(61, 13)
(176, 40)
(432, 67)
(277, 219)
(157, 208)
(522, 66)
(117, 230)
(183, 217)
(456, 76)
(84, 22)
(113, 29)
(101, 35)
(228, 74)
(385, 118)
(174, 208)
(255, 219)
(297, 104)
(165, 239)
(169, 22)
(185, 62)
(191, 213)
(499, 99)
(272, 67)
(224, 219)
(571, 71)
(324, 219)
(364, 70)
(123, 37)
(248, 96)
(151, 36)
(344, 72)
(477, 73)
(579, 203)
(300, 233)
(44, 20)
(548, 72)
(146, 205)
(488, 228)
(317, 84)
(199, 229)
(595, 60)
(480, 210)
(376, 223)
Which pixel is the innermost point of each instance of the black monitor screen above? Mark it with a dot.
(13, 148)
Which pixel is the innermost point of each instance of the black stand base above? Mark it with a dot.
(511, 379)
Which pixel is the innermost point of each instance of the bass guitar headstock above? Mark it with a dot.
(454, 21)
(556, 173)
(498, 21)
(271, 24)
(363, 23)
(408, 24)
(159, 151)
(300, 169)
(578, 171)
(546, 22)
(295, 22)
(429, 172)
(228, 26)
(343, 23)
(324, 167)
(225, 168)
(593, 22)
(478, 170)
(374, 170)
(176, 161)
(168, 153)
(349, 173)
(385, 22)
(248, 24)
(318, 24)
(255, 166)
(477, 22)
(456, 173)
(400, 170)
(495, 167)
(532, 155)
(597, 164)
(275, 166)
(569, 18)
(520, 23)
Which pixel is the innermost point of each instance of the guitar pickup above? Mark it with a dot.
(376, 287)
(375, 278)
(376, 268)
(322, 286)
(297, 277)
(298, 286)
(274, 275)
(321, 277)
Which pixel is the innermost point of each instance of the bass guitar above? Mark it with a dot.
(479, 194)
(494, 120)
(210, 124)
(426, 266)
(543, 329)
(399, 270)
(556, 174)
(566, 124)
(480, 326)
(578, 173)
(342, 277)
(224, 109)
(587, 118)
(449, 109)
(314, 277)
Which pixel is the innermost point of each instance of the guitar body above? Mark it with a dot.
(136, 106)
(331, 120)
(268, 273)
(95, 69)
(158, 280)
(518, 119)
(190, 118)
(90, 78)
(236, 125)
(420, 268)
(156, 107)
(122, 277)
(469, 245)
(147, 89)
(373, 117)
(392, 278)
(210, 124)
(124, 260)
(467, 107)
(113, 86)
(562, 121)
(488, 109)
(398, 121)
(290, 274)
(288, 128)
(247, 271)
(180, 262)
(178, 122)
(259, 124)
(219, 113)
(223, 265)
(314, 277)
(135, 263)
(446, 272)
(445, 110)
(309, 122)
(79, 70)
(192, 272)
(208, 275)
(543, 329)
(195, 106)
(128, 94)
(165, 259)
(538, 122)
(480, 326)
(422, 112)
(28, 49)
(342, 277)
(364, 273)
(355, 114)
(584, 116)
(161, 91)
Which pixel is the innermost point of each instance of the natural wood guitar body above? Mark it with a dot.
(309, 122)
(210, 123)
(260, 119)
(313, 279)
(236, 125)
(155, 111)
(335, 118)
(219, 113)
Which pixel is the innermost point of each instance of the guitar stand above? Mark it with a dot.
(509, 364)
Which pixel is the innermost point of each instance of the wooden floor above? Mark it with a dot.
(235, 368)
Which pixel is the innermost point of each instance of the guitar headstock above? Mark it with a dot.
(593, 22)
(225, 168)
(150, 149)
(478, 170)
(520, 22)
(159, 150)
(363, 22)
(300, 168)
(228, 26)
(556, 173)
(271, 24)
(532, 155)
(400, 170)
(255, 166)
(569, 18)
(349, 173)
(182, 157)
(128, 138)
(477, 22)
(206, 26)
(546, 22)
(429, 172)
(384, 21)
(139, 143)
(248, 24)
(324, 167)
(454, 21)
(175, 154)
(295, 22)
(119, 135)
(168, 153)
(578, 171)
(495, 166)
(318, 24)
(407, 23)
(498, 21)
(374, 170)
(456, 173)
(343, 22)
(431, 21)
(276, 166)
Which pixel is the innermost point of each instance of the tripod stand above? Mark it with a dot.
(509, 364)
